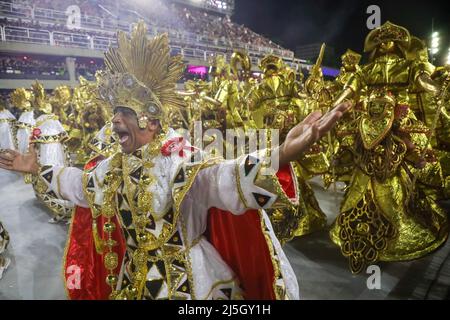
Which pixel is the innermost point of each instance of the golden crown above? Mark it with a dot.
(124, 90)
(142, 75)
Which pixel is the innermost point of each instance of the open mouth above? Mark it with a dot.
(123, 136)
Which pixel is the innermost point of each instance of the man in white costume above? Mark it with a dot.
(146, 218)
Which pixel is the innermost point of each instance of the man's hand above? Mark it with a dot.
(309, 131)
(15, 161)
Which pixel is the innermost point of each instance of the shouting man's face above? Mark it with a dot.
(131, 137)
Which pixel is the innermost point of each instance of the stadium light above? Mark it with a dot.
(434, 43)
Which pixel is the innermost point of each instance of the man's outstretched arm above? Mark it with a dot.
(308, 132)
(65, 182)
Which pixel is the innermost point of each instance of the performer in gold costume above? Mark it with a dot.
(343, 171)
(61, 101)
(88, 116)
(385, 216)
(318, 95)
(277, 103)
(428, 110)
(442, 133)
(350, 64)
(152, 202)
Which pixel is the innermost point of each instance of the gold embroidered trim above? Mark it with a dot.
(58, 181)
(237, 174)
(218, 283)
(276, 265)
(57, 138)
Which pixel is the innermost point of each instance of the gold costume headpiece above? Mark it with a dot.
(124, 90)
(40, 102)
(242, 58)
(63, 93)
(387, 32)
(21, 98)
(351, 56)
(382, 97)
(142, 75)
(219, 66)
(271, 63)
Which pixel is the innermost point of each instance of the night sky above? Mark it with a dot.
(340, 23)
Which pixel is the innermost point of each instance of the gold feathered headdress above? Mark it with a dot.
(142, 75)
(21, 98)
(40, 99)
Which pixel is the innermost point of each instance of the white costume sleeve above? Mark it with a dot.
(235, 186)
(239, 185)
(65, 183)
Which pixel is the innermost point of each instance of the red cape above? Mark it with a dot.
(229, 234)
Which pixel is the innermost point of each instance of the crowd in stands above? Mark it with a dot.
(178, 18)
(88, 69)
(16, 67)
(54, 68)
(220, 27)
(175, 18)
